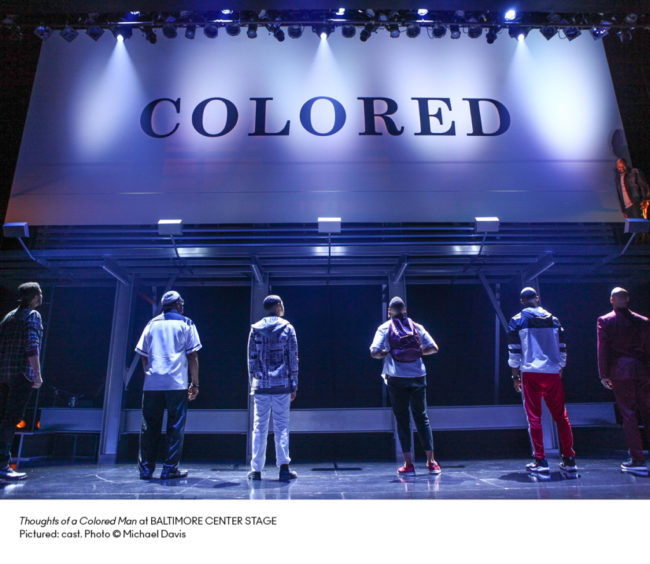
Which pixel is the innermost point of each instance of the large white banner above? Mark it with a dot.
(234, 130)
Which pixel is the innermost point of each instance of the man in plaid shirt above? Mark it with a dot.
(21, 331)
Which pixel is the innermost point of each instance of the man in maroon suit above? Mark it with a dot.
(624, 367)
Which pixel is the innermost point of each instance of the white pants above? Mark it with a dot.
(264, 403)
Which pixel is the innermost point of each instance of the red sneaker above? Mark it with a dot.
(406, 470)
(434, 468)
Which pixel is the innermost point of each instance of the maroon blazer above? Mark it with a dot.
(622, 334)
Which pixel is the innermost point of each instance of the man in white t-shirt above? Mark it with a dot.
(169, 347)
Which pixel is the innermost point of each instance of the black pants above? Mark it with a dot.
(154, 404)
(410, 391)
(14, 396)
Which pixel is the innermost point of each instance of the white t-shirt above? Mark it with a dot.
(166, 341)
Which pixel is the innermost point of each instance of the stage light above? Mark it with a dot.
(233, 29)
(548, 31)
(94, 32)
(169, 30)
(486, 224)
(252, 31)
(43, 32)
(132, 16)
(190, 31)
(340, 12)
(16, 230)
(637, 225)
(394, 30)
(211, 31)
(278, 33)
(491, 35)
(226, 12)
(517, 32)
(122, 32)
(170, 227)
(422, 12)
(348, 31)
(571, 33)
(474, 30)
(150, 34)
(412, 30)
(21, 424)
(69, 33)
(322, 30)
(295, 31)
(510, 15)
(599, 31)
(439, 31)
(454, 31)
(624, 35)
(365, 33)
(329, 224)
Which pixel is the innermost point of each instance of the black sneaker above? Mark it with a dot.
(8, 473)
(568, 464)
(254, 475)
(146, 475)
(538, 465)
(286, 474)
(172, 473)
(634, 467)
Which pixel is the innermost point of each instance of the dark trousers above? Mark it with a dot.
(14, 396)
(632, 392)
(154, 404)
(405, 392)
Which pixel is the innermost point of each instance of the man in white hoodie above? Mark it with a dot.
(537, 355)
(273, 377)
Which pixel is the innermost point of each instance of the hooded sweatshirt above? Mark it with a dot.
(272, 357)
(536, 341)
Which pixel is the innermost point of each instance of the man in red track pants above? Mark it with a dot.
(624, 366)
(537, 355)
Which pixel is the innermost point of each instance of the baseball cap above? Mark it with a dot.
(170, 297)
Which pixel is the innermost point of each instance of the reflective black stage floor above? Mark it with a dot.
(598, 478)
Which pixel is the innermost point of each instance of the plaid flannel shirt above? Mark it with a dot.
(21, 331)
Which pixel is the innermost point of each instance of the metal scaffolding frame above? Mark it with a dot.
(258, 256)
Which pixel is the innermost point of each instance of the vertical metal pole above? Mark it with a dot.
(497, 347)
(259, 290)
(398, 288)
(112, 412)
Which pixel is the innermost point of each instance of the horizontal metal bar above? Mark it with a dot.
(351, 420)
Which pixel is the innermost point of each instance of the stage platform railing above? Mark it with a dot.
(75, 421)
(349, 420)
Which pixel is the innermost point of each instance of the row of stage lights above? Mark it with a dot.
(368, 21)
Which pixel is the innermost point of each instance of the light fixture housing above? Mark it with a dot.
(170, 227)
(329, 224)
(486, 224)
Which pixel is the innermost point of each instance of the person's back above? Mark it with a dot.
(167, 340)
(541, 339)
(273, 359)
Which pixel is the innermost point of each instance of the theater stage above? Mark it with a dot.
(597, 478)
